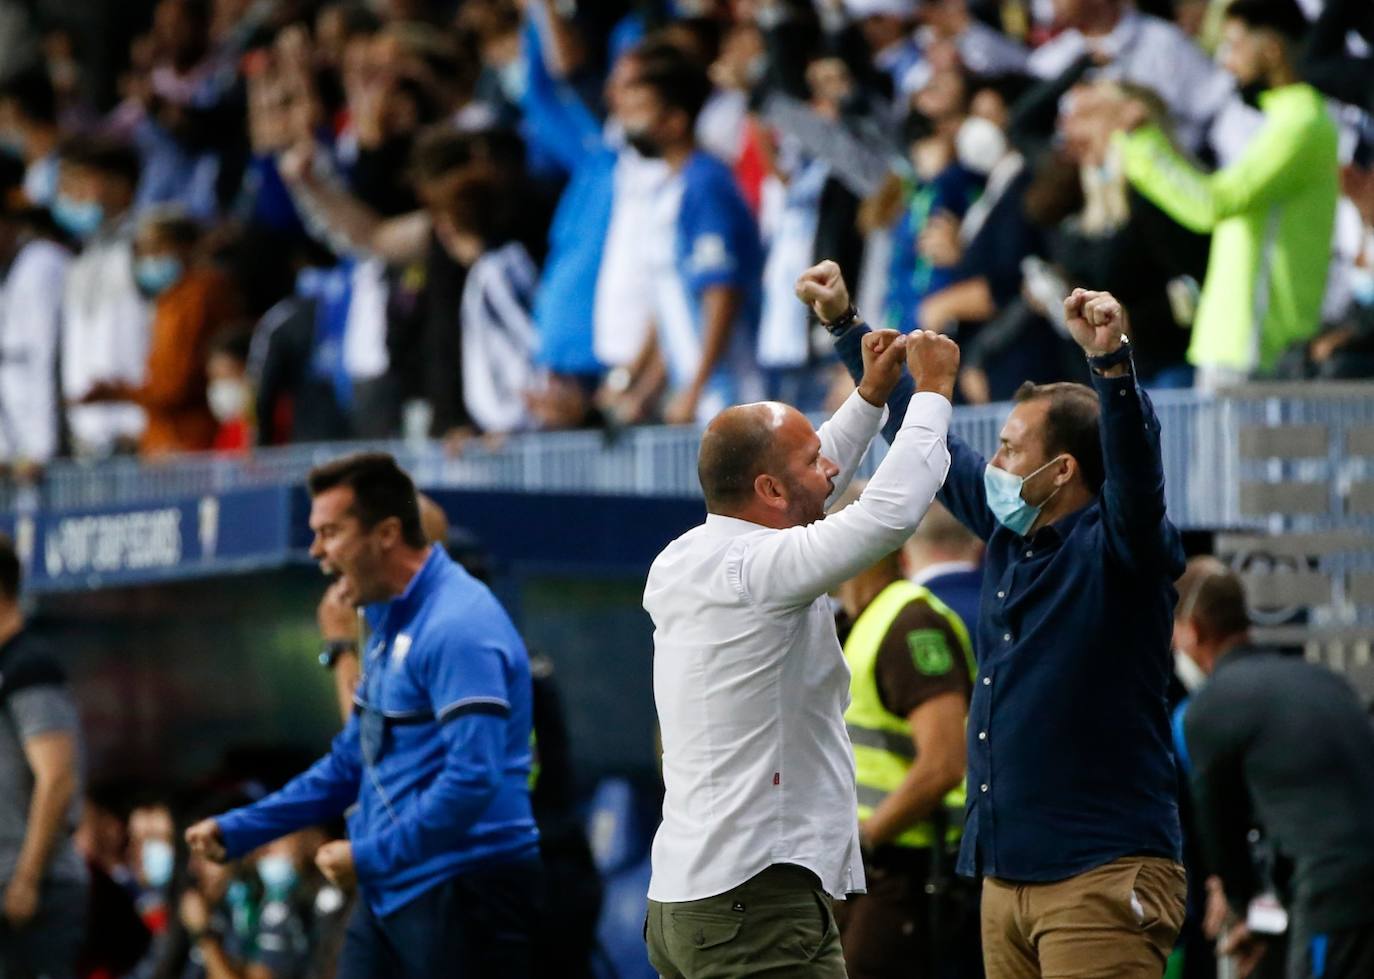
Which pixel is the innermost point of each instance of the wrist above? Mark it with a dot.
(333, 649)
(841, 323)
(944, 390)
(873, 395)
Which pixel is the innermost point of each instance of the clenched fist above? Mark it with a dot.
(1096, 320)
(205, 839)
(822, 288)
(884, 353)
(933, 360)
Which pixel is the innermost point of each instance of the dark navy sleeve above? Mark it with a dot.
(319, 795)
(469, 693)
(1138, 531)
(963, 492)
(1214, 734)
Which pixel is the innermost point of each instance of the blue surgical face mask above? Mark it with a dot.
(278, 873)
(155, 274)
(1005, 501)
(157, 859)
(80, 219)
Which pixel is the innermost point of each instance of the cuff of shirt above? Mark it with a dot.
(928, 409)
(860, 406)
(234, 833)
(366, 859)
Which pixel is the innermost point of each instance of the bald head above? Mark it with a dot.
(740, 444)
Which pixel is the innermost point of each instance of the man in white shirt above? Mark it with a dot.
(758, 829)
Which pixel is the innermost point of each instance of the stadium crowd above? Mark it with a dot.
(284, 221)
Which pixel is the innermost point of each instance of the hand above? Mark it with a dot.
(102, 391)
(884, 353)
(194, 912)
(974, 386)
(338, 613)
(822, 288)
(1214, 919)
(939, 241)
(1243, 946)
(1095, 320)
(335, 861)
(21, 901)
(933, 360)
(205, 840)
(682, 408)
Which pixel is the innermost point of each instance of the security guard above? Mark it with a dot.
(911, 664)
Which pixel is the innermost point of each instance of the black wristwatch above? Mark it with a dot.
(840, 324)
(1118, 356)
(335, 648)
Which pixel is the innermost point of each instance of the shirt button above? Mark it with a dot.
(1029, 553)
(983, 787)
(982, 735)
(1006, 637)
(1001, 594)
(987, 681)
(1122, 393)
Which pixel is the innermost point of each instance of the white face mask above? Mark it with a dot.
(228, 399)
(980, 145)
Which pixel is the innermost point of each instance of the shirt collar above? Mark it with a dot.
(1237, 653)
(941, 568)
(1060, 530)
(415, 592)
(719, 525)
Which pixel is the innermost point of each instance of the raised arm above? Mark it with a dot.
(1139, 533)
(794, 566)
(963, 490)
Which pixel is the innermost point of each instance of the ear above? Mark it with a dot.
(1067, 471)
(770, 491)
(388, 532)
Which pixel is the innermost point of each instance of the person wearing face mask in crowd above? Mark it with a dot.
(1080, 866)
(229, 392)
(982, 254)
(105, 318)
(190, 303)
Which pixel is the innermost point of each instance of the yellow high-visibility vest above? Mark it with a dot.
(883, 749)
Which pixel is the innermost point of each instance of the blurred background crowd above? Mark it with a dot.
(231, 223)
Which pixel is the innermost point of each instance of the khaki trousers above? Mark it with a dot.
(1117, 921)
(777, 924)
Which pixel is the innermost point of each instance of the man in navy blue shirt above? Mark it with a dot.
(1072, 818)
(435, 761)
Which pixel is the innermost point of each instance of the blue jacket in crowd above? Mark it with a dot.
(437, 755)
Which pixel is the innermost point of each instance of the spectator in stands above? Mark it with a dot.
(229, 392)
(186, 124)
(1286, 743)
(475, 222)
(945, 557)
(755, 577)
(703, 249)
(152, 853)
(36, 259)
(28, 120)
(1071, 504)
(191, 302)
(1270, 212)
(439, 894)
(44, 878)
(911, 673)
(105, 318)
(982, 253)
(1114, 40)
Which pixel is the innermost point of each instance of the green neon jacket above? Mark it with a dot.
(1271, 215)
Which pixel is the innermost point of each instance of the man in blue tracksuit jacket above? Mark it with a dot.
(433, 767)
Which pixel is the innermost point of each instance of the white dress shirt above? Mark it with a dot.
(105, 334)
(30, 311)
(749, 679)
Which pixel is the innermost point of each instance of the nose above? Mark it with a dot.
(831, 470)
(317, 548)
(997, 462)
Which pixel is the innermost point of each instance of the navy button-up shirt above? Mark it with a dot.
(1070, 756)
